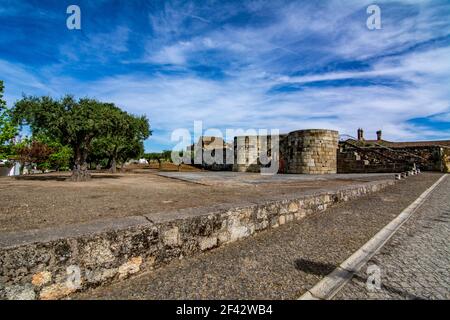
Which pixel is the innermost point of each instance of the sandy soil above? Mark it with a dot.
(39, 201)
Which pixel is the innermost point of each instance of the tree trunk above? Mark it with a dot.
(113, 165)
(80, 169)
(159, 164)
(80, 173)
(108, 165)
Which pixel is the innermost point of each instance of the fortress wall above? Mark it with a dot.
(304, 151)
(312, 151)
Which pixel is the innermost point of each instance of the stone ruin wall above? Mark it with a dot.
(446, 160)
(312, 151)
(393, 159)
(304, 151)
(318, 151)
(246, 153)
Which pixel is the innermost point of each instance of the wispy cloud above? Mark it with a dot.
(255, 64)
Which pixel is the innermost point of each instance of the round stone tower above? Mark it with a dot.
(312, 151)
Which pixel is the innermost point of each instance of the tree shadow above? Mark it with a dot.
(38, 177)
(313, 267)
(42, 178)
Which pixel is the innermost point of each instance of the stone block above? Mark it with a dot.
(207, 243)
(171, 237)
(56, 291)
(41, 278)
(130, 267)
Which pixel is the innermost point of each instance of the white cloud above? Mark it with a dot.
(258, 57)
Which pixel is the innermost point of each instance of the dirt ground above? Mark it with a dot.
(48, 200)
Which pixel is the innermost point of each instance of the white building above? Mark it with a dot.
(9, 171)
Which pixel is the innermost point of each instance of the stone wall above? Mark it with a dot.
(355, 159)
(247, 151)
(352, 161)
(446, 160)
(222, 163)
(312, 151)
(304, 151)
(53, 263)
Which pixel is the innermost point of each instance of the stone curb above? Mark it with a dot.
(53, 263)
(330, 285)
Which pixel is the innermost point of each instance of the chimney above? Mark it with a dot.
(379, 135)
(360, 134)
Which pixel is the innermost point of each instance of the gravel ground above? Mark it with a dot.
(45, 201)
(278, 264)
(415, 263)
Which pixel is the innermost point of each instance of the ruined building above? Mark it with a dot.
(303, 151)
(319, 151)
(211, 146)
(365, 156)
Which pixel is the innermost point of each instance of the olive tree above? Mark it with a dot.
(74, 123)
(8, 130)
(125, 142)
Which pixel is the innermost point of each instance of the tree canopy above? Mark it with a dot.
(165, 155)
(83, 125)
(124, 142)
(8, 130)
(34, 151)
(45, 153)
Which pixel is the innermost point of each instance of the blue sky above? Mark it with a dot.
(240, 64)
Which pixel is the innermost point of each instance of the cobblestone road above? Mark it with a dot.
(281, 263)
(415, 263)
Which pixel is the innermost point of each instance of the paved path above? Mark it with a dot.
(415, 263)
(280, 263)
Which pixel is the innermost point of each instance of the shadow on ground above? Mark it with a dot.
(312, 267)
(60, 177)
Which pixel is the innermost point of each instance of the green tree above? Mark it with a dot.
(34, 152)
(60, 159)
(157, 156)
(167, 155)
(134, 150)
(61, 156)
(44, 152)
(73, 123)
(125, 142)
(8, 130)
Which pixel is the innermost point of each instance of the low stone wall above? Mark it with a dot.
(446, 160)
(53, 263)
(377, 159)
(352, 162)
